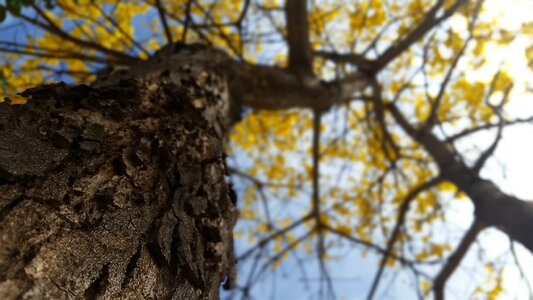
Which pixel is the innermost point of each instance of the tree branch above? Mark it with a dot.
(455, 259)
(300, 55)
(55, 29)
(266, 87)
(163, 18)
(487, 126)
(54, 54)
(492, 206)
(430, 21)
(187, 21)
(432, 119)
(360, 61)
(482, 159)
(404, 208)
(271, 237)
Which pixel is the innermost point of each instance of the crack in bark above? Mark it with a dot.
(132, 265)
(8, 208)
(99, 285)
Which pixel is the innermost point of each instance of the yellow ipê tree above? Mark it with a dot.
(353, 120)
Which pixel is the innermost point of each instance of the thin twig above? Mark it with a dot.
(163, 18)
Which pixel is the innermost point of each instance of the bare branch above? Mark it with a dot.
(300, 55)
(269, 238)
(430, 21)
(120, 29)
(492, 206)
(208, 15)
(402, 213)
(432, 118)
(316, 167)
(187, 22)
(482, 159)
(387, 141)
(265, 87)
(487, 126)
(455, 259)
(163, 18)
(520, 269)
(357, 60)
(260, 183)
(50, 26)
(57, 54)
(283, 251)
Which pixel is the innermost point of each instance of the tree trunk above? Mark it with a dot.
(117, 190)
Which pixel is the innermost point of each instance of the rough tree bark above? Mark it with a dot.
(117, 190)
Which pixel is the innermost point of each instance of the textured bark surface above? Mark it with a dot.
(118, 190)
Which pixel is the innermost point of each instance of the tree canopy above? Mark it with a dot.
(360, 127)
